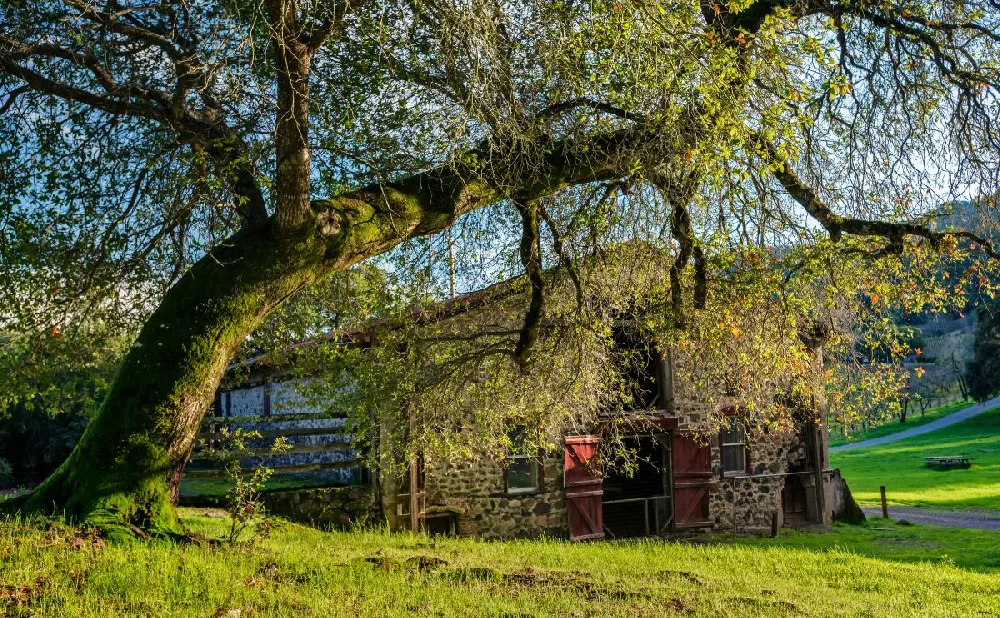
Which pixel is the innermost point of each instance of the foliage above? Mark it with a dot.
(57, 570)
(193, 166)
(53, 383)
(900, 467)
(844, 435)
(246, 510)
(983, 372)
(439, 379)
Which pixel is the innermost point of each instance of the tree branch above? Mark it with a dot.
(567, 261)
(110, 22)
(314, 38)
(678, 193)
(531, 259)
(12, 98)
(291, 131)
(611, 110)
(107, 103)
(837, 225)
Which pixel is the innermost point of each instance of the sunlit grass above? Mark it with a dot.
(884, 538)
(899, 466)
(304, 572)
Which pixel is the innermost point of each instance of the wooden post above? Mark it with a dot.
(885, 509)
(815, 437)
(774, 525)
(414, 480)
(666, 381)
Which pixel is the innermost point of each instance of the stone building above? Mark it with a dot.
(687, 477)
(687, 474)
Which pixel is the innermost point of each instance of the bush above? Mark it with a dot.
(35, 441)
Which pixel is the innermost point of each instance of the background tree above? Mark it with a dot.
(204, 162)
(982, 372)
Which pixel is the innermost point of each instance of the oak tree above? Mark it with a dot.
(192, 164)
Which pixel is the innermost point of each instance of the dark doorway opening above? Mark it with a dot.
(795, 511)
(639, 505)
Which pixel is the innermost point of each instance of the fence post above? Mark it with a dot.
(885, 509)
(774, 525)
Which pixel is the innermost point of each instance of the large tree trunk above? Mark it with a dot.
(119, 474)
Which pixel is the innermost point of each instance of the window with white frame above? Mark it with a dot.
(734, 448)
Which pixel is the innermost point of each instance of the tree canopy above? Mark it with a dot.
(189, 166)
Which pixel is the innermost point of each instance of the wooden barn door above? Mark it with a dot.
(692, 475)
(583, 482)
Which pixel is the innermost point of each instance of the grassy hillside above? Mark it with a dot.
(914, 419)
(57, 571)
(899, 466)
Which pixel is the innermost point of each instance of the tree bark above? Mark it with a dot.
(120, 473)
(118, 476)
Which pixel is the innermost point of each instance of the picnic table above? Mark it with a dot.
(948, 461)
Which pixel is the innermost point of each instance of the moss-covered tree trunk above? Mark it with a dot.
(120, 473)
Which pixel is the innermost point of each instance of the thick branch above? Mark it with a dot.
(119, 101)
(837, 225)
(531, 259)
(291, 131)
(678, 194)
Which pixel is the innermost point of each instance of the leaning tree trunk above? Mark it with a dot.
(120, 473)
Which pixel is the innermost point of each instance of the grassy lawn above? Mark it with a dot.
(56, 571)
(914, 419)
(208, 488)
(900, 468)
(977, 550)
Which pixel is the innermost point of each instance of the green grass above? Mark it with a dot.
(217, 487)
(913, 419)
(899, 466)
(57, 571)
(978, 550)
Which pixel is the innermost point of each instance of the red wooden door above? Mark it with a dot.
(583, 482)
(692, 471)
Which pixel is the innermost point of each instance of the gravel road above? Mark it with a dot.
(978, 519)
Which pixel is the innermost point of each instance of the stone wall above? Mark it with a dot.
(747, 501)
(324, 507)
(737, 501)
(476, 491)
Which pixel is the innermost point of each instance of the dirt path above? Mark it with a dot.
(951, 419)
(980, 519)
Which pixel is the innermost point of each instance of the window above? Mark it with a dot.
(734, 450)
(521, 474)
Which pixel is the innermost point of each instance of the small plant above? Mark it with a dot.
(244, 505)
